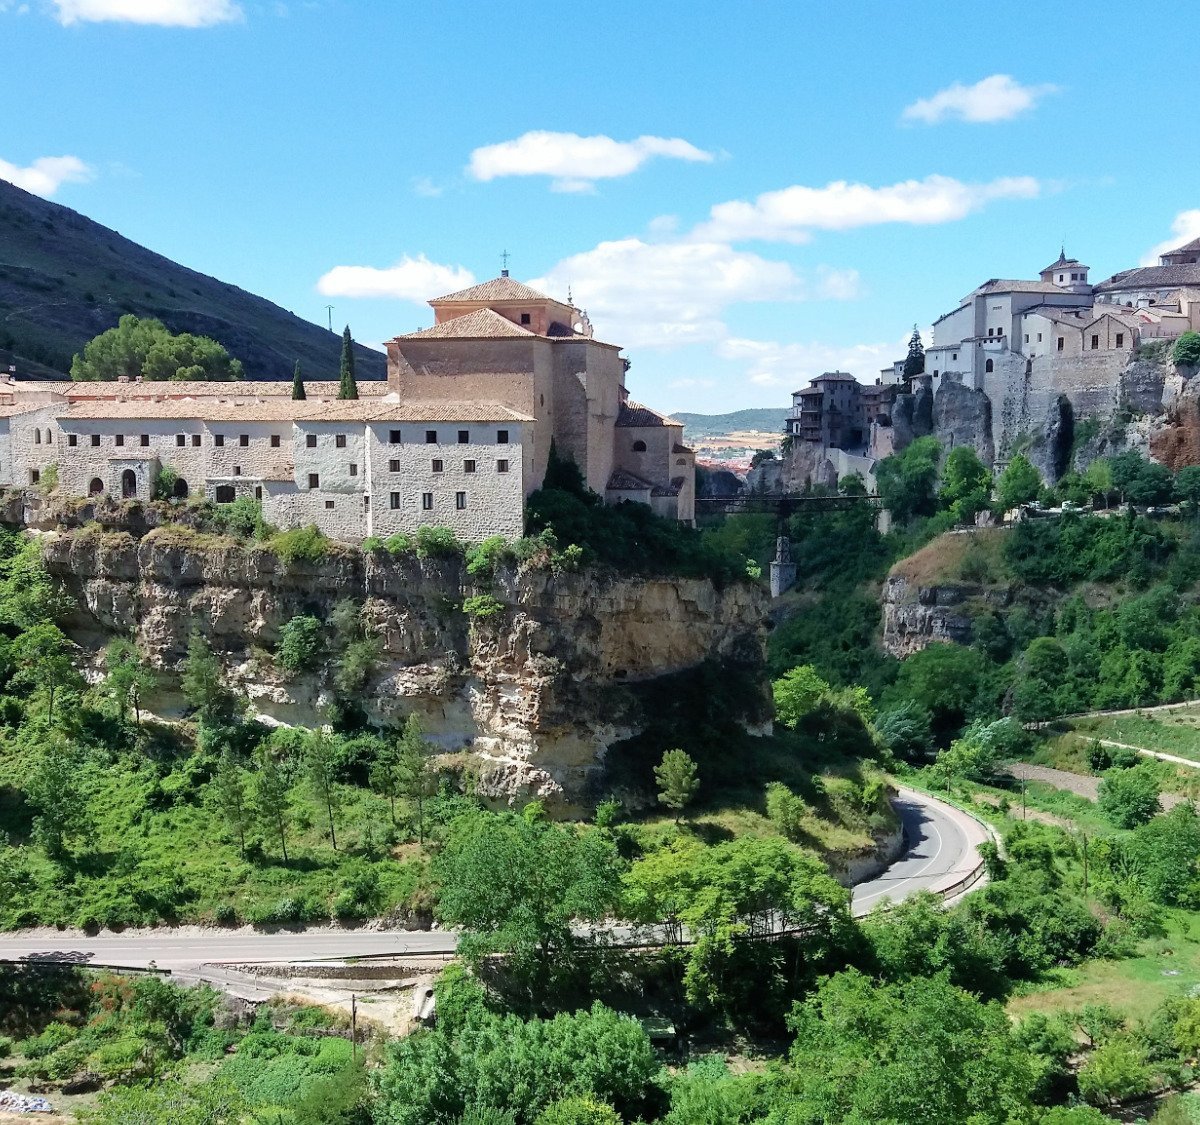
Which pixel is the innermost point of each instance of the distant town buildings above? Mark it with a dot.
(458, 436)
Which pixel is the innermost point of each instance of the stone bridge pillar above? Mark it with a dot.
(783, 570)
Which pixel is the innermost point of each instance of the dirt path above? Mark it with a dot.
(1162, 757)
(1086, 787)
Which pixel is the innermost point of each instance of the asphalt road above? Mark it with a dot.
(940, 851)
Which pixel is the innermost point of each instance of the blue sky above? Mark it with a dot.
(743, 196)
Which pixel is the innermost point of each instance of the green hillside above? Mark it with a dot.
(769, 419)
(65, 278)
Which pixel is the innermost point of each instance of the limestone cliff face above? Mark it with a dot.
(534, 696)
(915, 617)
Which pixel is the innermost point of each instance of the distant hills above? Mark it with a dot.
(65, 278)
(763, 420)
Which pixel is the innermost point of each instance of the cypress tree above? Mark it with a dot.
(914, 362)
(347, 387)
(298, 383)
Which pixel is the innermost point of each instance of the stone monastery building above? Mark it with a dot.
(457, 437)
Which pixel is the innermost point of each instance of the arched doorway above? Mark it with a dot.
(180, 491)
(225, 494)
(96, 487)
(128, 484)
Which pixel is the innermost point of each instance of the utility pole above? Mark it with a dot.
(353, 1027)
(1022, 798)
(329, 311)
(1083, 835)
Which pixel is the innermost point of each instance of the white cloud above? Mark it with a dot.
(669, 294)
(791, 214)
(1185, 227)
(426, 188)
(47, 174)
(790, 366)
(996, 98)
(576, 162)
(163, 13)
(410, 279)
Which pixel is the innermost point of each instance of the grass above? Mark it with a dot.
(1170, 732)
(1163, 967)
(976, 557)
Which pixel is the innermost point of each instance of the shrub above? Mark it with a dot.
(1186, 351)
(437, 543)
(578, 1111)
(482, 606)
(398, 544)
(785, 810)
(302, 543)
(164, 483)
(371, 543)
(483, 558)
(242, 518)
(299, 645)
(1129, 797)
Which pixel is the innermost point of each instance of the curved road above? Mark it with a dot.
(941, 850)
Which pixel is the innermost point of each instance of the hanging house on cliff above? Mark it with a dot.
(458, 436)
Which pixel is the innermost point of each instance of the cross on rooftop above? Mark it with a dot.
(504, 263)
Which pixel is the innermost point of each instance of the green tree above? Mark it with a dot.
(205, 685)
(321, 764)
(229, 791)
(127, 680)
(146, 348)
(976, 755)
(1117, 1069)
(966, 484)
(913, 1053)
(56, 790)
(914, 361)
(414, 776)
(523, 886)
(1042, 676)
(347, 386)
(907, 481)
(1187, 487)
(580, 1110)
(298, 392)
(797, 693)
(951, 684)
(299, 647)
(1129, 797)
(1019, 484)
(1186, 350)
(271, 799)
(384, 775)
(678, 781)
(42, 656)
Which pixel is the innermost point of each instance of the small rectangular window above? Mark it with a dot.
(37, 437)
(218, 440)
(393, 466)
(258, 492)
(195, 439)
(438, 464)
(464, 437)
(1120, 339)
(310, 441)
(1027, 337)
(501, 437)
(1061, 342)
(243, 440)
(394, 437)
(237, 470)
(145, 439)
(460, 500)
(431, 437)
(353, 470)
(1095, 342)
(120, 438)
(502, 466)
(275, 441)
(427, 501)
(314, 480)
(525, 319)
(35, 475)
(95, 439)
(328, 505)
(954, 355)
(1039, 337)
(340, 441)
(72, 439)
(394, 500)
(468, 466)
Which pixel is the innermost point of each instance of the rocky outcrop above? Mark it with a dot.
(915, 617)
(962, 416)
(533, 696)
(1175, 439)
(807, 464)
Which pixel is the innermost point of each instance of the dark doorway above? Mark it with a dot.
(128, 484)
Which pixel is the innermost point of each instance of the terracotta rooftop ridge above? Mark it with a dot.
(480, 324)
(497, 289)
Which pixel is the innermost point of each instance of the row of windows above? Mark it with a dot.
(310, 440)
(439, 466)
(460, 501)
(396, 437)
